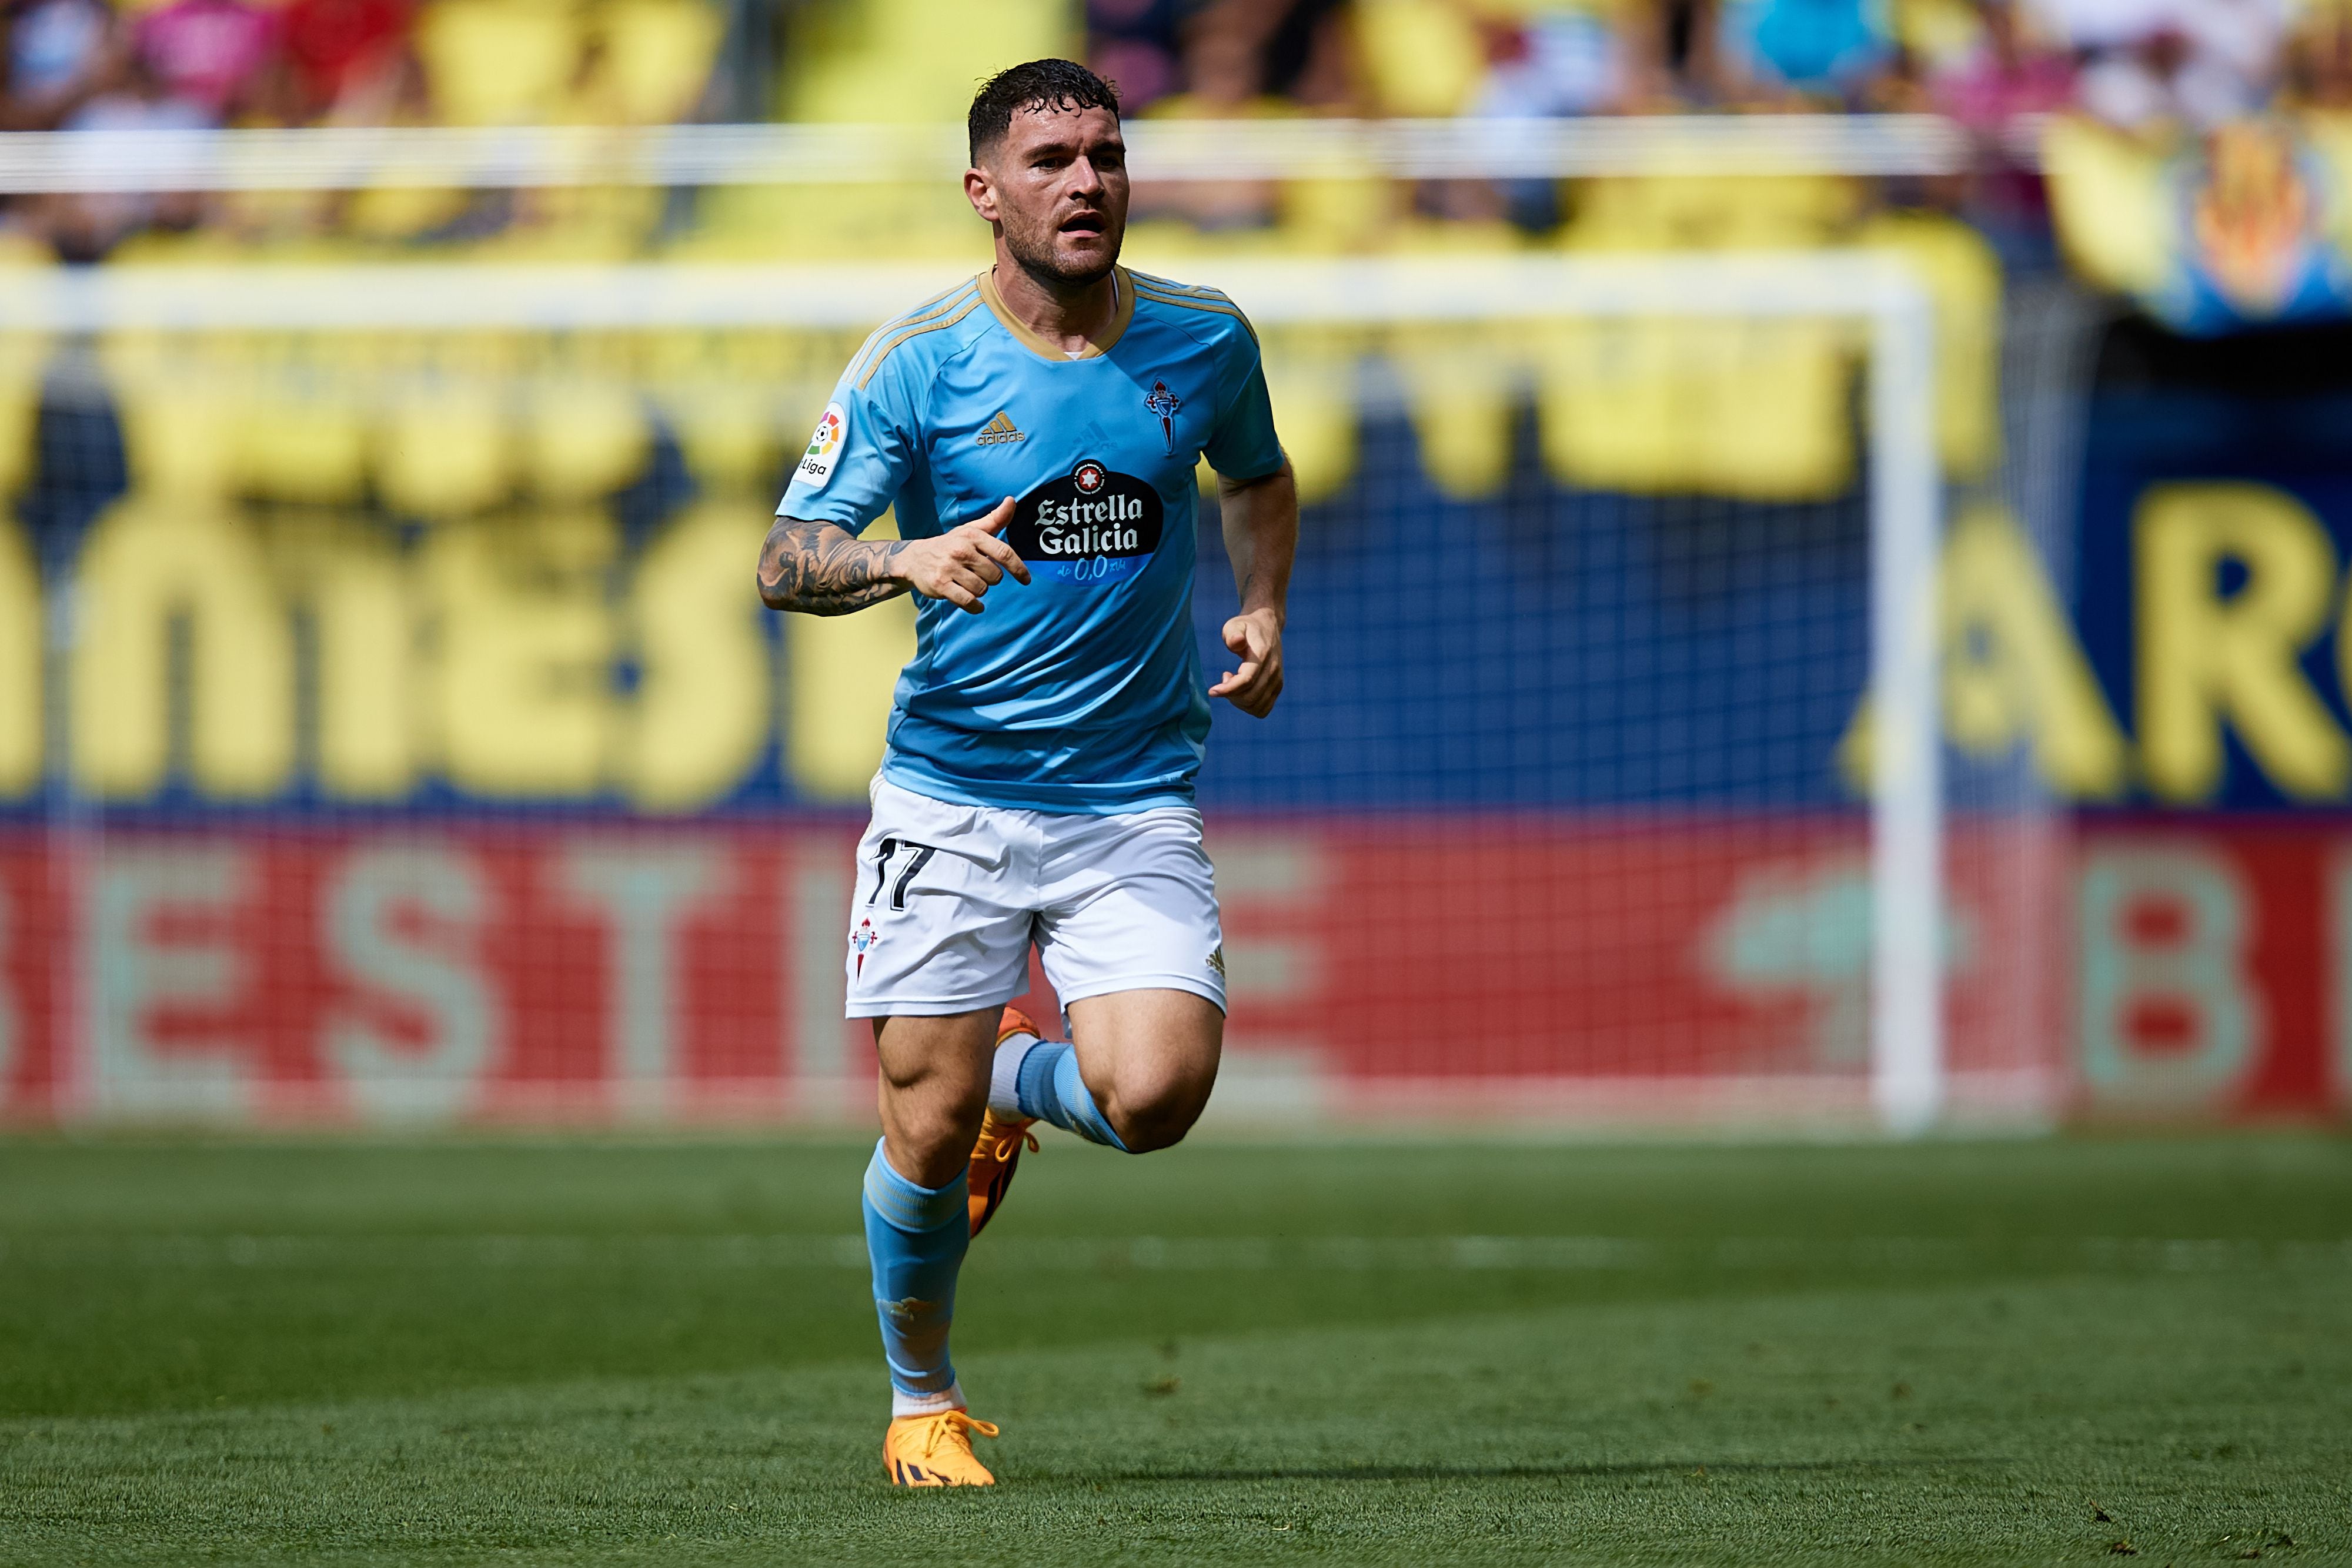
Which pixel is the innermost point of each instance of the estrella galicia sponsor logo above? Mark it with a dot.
(1093, 525)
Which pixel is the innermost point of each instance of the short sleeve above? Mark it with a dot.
(863, 451)
(1242, 446)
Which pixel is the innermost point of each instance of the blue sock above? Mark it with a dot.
(1049, 1087)
(915, 1239)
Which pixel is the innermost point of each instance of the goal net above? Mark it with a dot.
(389, 729)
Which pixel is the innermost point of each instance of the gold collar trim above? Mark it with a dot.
(1095, 348)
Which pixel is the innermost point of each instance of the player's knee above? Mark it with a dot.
(937, 1139)
(1157, 1114)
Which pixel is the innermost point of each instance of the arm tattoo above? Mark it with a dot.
(819, 569)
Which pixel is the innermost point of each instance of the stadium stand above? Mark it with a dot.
(1637, 406)
(1665, 421)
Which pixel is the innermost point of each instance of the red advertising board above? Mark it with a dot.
(1379, 968)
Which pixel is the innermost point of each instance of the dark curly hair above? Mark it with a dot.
(1037, 85)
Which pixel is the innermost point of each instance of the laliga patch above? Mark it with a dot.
(1090, 526)
(825, 446)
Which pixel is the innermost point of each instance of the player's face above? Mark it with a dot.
(1057, 183)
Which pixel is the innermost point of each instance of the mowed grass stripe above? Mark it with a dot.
(1980, 1425)
(1189, 1254)
(588, 1352)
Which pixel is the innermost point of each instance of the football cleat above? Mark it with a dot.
(1002, 1139)
(1016, 1022)
(936, 1450)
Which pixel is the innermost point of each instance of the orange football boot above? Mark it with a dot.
(936, 1450)
(1001, 1138)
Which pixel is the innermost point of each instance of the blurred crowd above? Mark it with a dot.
(2157, 70)
(84, 64)
(168, 65)
(2153, 67)
(2133, 63)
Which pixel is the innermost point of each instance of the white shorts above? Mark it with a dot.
(948, 899)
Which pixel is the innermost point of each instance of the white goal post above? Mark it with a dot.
(1906, 1062)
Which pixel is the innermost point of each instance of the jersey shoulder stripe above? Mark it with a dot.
(926, 310)
(1220, 304)
(947, 315)
(892, 332)
(942, 300)
(1169, 285)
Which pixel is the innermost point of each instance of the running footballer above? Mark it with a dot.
(1036, 430)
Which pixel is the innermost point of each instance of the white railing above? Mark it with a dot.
(348, 157)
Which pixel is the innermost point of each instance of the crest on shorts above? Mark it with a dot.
(862, 939)
(1164, 404)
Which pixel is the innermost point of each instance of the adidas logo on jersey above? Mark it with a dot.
(1000, 430)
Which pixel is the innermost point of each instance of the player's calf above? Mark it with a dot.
(934, 1091)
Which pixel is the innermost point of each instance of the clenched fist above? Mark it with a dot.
(1256, 636)
(962, 565)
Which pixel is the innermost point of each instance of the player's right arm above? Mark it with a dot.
(867, 448)
(820, 568)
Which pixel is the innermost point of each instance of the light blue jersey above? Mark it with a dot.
(1082, 690)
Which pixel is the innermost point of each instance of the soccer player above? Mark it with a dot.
(1037, 430)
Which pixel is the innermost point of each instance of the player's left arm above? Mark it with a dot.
(1260, 519)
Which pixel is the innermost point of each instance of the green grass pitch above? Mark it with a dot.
(566, 1351)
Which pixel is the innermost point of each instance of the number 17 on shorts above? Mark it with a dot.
(950, 898)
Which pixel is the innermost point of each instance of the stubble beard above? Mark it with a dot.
(1035, 254)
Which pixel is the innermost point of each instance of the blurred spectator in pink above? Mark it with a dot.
(214, 54)
(2011, 74)
(60, 52)
(2008, 74)
(1134, 45)
(1300, 51)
